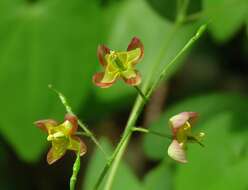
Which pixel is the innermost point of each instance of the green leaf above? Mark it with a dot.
(208, 167)
(159, 178)
(124, 177)
(168, 8)
(41, 43)
(226, 17)
(155, 32)
(235, 178)
(207, 106)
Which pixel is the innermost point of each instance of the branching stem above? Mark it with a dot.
(80, 123)
(143, 130)
(138, 106)
(141, 93)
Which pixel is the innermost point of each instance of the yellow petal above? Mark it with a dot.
(109, 77)
(57, 150)
(132, 78)
(130, 73)
(76, 144)
(97, 80)
(133, 56)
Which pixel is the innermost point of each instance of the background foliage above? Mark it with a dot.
(54, 41)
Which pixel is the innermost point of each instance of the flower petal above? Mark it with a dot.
(176, 152)
(131, 77)
(134, 44)
(180, 119)
(77, 144)
(102, 50)
(104, 80)
(46, 124)
(122, 56)
(133, 56)
(57, 151)
(74, 122)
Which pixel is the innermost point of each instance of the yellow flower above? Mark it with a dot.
(62, 137)
(181, 125)
(119, 64)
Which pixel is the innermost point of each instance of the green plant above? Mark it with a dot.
(121, 64)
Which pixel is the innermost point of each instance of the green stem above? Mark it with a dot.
(161, 55)
(80, 123)
(182, 6)
(109, 163)
(82, 134)
(138, 106)
(75, 170)
(102, 175)
(193, 17)
(143, 130)
(163, 75)
(141, 93)
(116, 162)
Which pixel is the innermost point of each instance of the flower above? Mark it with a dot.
(62, 137)
(119, 64)
(181, 125)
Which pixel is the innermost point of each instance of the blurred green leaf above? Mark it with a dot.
(127, 20)
(234, 178)
(207, 106)
(209, 167)
(168, 8)
(159, 178)
(124, 177)
(43, 42)
(225, 16)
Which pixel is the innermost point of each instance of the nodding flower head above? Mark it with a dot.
(181, 125)
(119, 64)
(62, 136)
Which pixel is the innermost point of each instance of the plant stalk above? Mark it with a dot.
(141, 93)
(138, 106)
(75, 170)
(80, 123)
(143, 130)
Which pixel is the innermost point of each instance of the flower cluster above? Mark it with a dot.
(118, 64)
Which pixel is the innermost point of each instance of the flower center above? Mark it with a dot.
(55, 136)
(117, 62)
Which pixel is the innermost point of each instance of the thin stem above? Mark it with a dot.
(80, 123)
(182, 6)
(163, 75)
(143, 130)
(116, 162)
(102, 175)
(75, 170)
(194, 16)
(141, 93)
(82, 134)
(194, 139)
(138, 106)
(93, 138)
(109, 163)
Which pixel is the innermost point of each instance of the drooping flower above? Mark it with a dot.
(62, 136)
(119, 64)
(181, 125)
